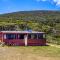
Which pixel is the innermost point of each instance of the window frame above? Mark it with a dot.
(10, 38)
(18, 37)
(43, 36)
(32, 35)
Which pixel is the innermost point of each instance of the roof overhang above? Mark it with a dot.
(21, 32)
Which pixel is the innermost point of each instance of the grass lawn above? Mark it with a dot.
(30, 53)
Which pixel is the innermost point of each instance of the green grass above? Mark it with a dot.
(44, 51)
(30, 53)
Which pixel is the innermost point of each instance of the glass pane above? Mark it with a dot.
(40, 36)
(44, 36)
(10, 36)
(29, 36)
(5, 36)
(34, 36)
(21, 36)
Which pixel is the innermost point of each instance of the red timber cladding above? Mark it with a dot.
(15, 42)
(37, 42)
(21, 42)
(1, 36)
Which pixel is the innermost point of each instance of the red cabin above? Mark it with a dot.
(23, 38)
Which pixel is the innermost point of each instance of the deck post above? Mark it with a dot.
(25, 39)
(2, 37)
(2, 42)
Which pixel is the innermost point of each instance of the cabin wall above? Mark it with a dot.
(21, 42)
(1, 36)
(36, 42)
(29, 42)
(16, 42)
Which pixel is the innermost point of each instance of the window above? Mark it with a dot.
(21, 36)
(40, 36)
(32, 36)
(4, 36)
(10, 36)
(29, 36)
(44, 36)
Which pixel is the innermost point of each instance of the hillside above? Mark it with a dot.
(32, 15)
(47, 21)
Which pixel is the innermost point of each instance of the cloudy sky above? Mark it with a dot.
(7, 6)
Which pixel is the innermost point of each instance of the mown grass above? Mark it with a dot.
(29, 53)
(46, 51)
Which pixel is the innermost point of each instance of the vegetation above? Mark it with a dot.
(47, 21)
(30, 53)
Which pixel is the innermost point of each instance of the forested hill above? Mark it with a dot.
(26, 19)
(32, 15)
